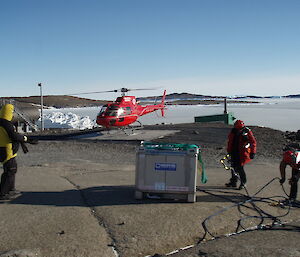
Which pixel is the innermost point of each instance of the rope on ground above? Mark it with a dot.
(249, 203)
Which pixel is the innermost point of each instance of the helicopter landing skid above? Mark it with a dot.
(131, 129)
(140, 126)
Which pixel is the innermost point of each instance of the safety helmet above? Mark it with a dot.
(239, 124)
(289, 157)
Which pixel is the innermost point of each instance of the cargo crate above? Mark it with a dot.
(166, 170)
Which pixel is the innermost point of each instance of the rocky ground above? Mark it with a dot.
(78, 200)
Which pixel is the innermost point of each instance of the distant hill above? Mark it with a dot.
(60, 101)
(260, 97)
(189, 99)
(293, 96)
(182, 96)
(64, 101)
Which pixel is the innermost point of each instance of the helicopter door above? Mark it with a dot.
(122, 113)
(128, 110)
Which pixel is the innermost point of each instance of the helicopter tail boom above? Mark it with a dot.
(152, 108)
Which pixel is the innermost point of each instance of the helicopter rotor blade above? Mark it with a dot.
(142, 89)
(96, 92)
(123, 90)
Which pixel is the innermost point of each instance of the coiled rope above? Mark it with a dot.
(250, 203)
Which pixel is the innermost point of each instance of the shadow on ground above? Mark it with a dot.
(106, 196)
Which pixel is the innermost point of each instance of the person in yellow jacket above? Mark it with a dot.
(9, 145)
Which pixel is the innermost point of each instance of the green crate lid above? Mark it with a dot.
(168, 146)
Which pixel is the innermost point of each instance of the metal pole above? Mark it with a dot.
(42, 104)
(225, 105)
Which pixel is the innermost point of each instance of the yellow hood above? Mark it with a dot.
(7, 112)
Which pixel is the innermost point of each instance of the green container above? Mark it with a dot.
(227, 118)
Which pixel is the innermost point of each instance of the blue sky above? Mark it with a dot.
(214, 47)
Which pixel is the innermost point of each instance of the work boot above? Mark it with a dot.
(14, 192)
(230, 184)
(293, 202)
(4, 197)
(285, 202)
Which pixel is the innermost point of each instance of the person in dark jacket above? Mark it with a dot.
(9, 145)
(241, 147)
(291, 158)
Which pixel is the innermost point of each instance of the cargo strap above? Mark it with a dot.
(203, 173)
(174, 147)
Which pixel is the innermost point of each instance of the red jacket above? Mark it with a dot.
(241, 143)
(292, 158)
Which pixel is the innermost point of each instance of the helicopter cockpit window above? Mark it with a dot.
(113, 111)
(121, 112)
(119, 99)
(103, 109)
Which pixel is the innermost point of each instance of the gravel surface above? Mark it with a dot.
(86, 188)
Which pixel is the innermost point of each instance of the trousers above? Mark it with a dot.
(294, 184)
(238, 170)
(8, 176)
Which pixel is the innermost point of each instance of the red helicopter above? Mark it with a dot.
(126, 110)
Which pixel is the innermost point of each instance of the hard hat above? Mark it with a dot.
(289, 157)
(239, 124)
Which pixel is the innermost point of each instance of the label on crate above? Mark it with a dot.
(165, 166)
(177, 188)
(160, 186)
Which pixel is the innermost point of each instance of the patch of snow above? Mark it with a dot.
(58, 119)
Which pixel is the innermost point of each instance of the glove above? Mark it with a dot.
(32, 141)
(24, 148)
(252, 155)
(228, 156)
(282, 180)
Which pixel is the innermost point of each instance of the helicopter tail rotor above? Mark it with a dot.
(163, 104)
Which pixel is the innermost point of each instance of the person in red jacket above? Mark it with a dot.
(241, 147)
(291, 157)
